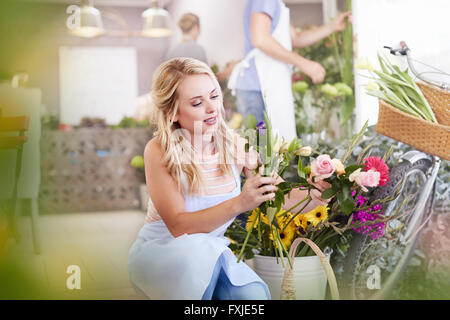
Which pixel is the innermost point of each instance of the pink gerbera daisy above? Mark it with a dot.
(377, 164)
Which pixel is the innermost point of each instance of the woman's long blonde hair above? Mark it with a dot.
(178, 152)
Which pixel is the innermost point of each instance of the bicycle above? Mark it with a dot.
(417, 172)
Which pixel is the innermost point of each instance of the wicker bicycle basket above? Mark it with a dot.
(423, 135)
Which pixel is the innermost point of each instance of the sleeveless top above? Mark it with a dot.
(216, 183)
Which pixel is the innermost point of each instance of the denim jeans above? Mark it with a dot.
(250, 102)
(220, 288)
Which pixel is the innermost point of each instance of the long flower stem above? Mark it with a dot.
(299, 203)
(338, 56)
(246, 240)
(296, 214)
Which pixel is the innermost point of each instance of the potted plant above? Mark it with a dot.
(269, 231)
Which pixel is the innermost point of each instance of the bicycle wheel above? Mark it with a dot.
(387, 256)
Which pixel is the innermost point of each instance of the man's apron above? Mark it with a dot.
(274, 78)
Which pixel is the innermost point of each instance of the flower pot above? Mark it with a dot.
(310, 279)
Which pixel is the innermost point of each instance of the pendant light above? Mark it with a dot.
(156, 22)
(91, 24)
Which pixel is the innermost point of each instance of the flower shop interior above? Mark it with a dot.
(80, 198)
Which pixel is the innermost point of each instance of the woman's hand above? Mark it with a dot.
(316, 194)
(256, 190)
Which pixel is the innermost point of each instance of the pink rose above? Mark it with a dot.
(322, 167)
(364, 179)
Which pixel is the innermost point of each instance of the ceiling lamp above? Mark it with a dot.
(156, 22)
(91, 24)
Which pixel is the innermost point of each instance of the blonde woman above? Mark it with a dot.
(192, 168)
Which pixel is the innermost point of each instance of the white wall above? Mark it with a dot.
(221, 23)
(423, 24)
(97, 82)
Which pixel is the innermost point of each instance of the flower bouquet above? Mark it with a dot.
(271, 228)
(345, 187)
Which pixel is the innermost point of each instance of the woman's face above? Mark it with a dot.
(199, 105)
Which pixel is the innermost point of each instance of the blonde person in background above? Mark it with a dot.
(189, 25)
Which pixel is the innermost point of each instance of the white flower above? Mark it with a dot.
(284, 147)
(340, 168)
(372, 86)
(304, 151)
(365, 179)
(363, 63)
(354, 174)
(277, 144)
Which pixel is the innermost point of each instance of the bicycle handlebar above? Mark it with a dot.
(405, 51)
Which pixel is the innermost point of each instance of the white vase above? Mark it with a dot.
(310, 279)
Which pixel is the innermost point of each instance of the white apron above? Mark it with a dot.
(274, 78)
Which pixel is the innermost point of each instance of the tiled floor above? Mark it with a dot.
(97, 242)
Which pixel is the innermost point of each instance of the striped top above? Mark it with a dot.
(215, 183)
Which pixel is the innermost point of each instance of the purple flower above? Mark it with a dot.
(261, 127)
(376, 230)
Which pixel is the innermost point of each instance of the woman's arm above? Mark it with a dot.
(169, 201)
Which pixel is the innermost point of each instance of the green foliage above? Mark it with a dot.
(316, 104)
(129, 122)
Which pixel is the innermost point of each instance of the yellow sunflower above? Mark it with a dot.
(317, 215)
(287, 235)
(300, 222)
(253, 216)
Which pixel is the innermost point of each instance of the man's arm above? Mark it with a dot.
(308, 37)
(263, 40)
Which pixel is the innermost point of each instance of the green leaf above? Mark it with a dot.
(352, 168)
(328, 193)
(279, 199)
(336, 185)
(307, 170)
(292, 145)
(347, 206)
(346, 191)
(268, 134)
(340, 197)
(271, 212)
(300, 169)
(250, 121)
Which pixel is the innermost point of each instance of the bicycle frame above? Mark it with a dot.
(414, 156)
